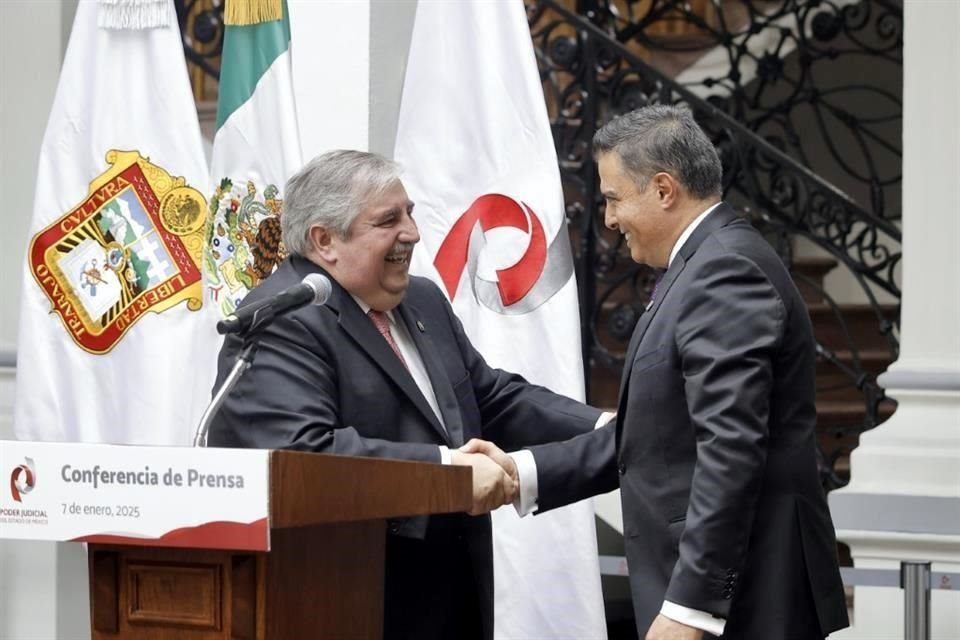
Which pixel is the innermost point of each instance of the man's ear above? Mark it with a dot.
(667, 189)
(321, 242)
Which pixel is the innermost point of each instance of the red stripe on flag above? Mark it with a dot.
(252, 536)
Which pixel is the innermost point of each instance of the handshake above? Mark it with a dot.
(495, 478)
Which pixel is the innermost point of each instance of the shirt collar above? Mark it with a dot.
(688, 232)
(366, 308)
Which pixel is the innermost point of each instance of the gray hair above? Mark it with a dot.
(330, 191)
(664, 138)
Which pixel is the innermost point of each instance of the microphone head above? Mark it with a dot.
(321, 287)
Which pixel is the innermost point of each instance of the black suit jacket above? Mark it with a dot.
(714, 448)
(325, 380)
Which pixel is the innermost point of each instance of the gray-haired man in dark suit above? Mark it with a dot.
(384, 369)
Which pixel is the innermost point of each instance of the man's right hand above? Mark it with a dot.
(492, 486)
(495, 453)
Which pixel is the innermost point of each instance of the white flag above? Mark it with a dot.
(255, 149)
(113, 323)
(480, 164)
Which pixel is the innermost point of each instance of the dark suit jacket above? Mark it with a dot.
(325, 380)
(714, 447)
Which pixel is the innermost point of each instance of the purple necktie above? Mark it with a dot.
(382, 323)
(653, 294)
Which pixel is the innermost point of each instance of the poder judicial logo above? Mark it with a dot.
(134, 245)
(539, 273)
(23, 479)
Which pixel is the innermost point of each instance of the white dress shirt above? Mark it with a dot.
(414, 365)
(529, 490)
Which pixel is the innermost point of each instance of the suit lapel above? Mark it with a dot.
(442, 387)
(663, 288)
(359, 327)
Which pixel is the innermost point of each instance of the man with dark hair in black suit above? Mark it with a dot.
(726, 527)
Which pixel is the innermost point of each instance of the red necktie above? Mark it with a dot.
(382, 323)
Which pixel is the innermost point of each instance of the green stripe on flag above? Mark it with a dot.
(248, 51)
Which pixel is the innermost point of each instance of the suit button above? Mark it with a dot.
(394, 528)
(623, 469)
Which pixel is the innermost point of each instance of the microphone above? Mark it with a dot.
(314, 289)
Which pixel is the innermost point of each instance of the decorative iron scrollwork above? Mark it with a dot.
(593, 66)
(201, 29)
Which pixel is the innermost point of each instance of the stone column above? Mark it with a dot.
(903, 501)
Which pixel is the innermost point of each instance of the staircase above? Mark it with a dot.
(852, 349)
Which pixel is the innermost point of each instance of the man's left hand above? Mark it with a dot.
(663, 628)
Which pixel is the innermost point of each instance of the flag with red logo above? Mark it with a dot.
(480, 164)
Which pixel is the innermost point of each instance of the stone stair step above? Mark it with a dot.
(861, 321)
(842, 415)
(808, 274)
(835, 384)
(874, 361)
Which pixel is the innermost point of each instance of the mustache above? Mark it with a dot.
(400, 248)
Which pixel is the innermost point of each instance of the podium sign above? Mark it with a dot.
(135, 495)
(221, 544)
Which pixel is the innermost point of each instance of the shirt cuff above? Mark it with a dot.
(526, 501)
(693, 618)
(445, 456)
(604, 418)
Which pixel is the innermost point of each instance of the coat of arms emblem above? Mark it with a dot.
(243, 241)
(133, 245)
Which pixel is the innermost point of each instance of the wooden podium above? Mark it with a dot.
(323, 575)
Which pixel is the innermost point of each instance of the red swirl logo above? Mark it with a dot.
(23, 479)
(523, 286)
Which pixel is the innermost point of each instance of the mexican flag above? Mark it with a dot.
(474, 139)
(255, 149)
(112, 306)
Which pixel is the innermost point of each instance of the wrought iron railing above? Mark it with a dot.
(591, 73)
(201, 29)
(819, 79)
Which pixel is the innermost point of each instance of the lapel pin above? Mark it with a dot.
(420, 326)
